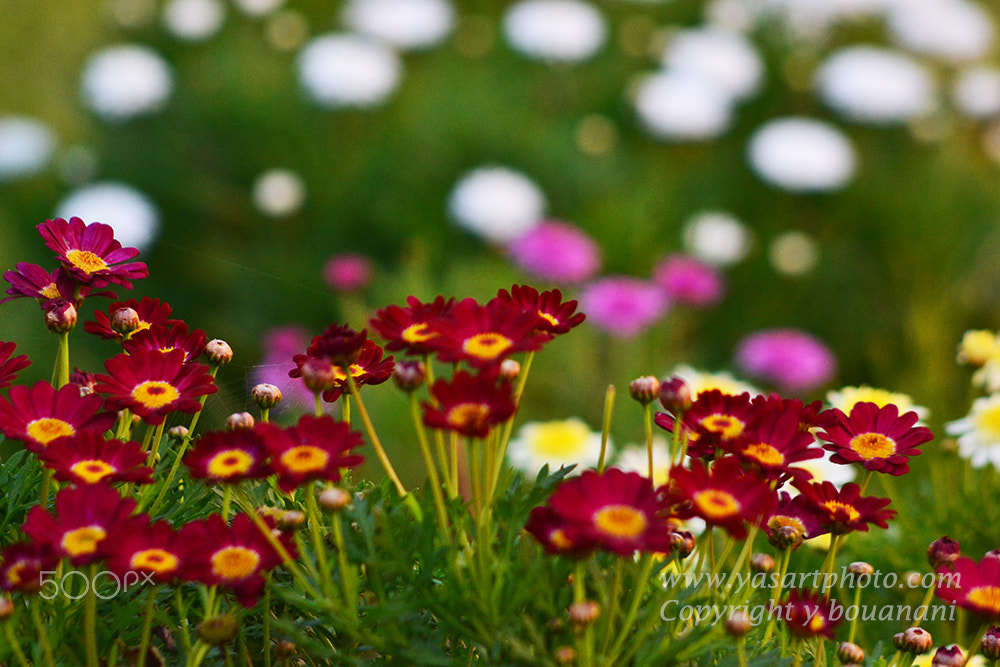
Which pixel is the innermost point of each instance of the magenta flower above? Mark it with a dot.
(793, 360)
(280, 344)
(556, 251)
(348, 272)
(623, 306)
(689, 281)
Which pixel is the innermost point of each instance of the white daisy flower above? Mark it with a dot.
(131, 213)
(978, 432)
(717, 238)
(976, 92)
(348, 70)
(123, 81)
(194, 20)
(403, 24)
(555, 30)
(556, 443)
(726, 58)
(700, 381)
(26, 147)
(845, 398)
(635, 458)
(279, 192)
(953, 30)
(496, 203)
(682, 106)
(802, 155)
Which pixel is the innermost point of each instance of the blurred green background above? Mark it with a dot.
(908, 251)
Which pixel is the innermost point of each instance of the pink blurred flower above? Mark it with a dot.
(793, 360)
(689, 281)
(556, 251)
(623, 306)
(279, 345)
(348, 272)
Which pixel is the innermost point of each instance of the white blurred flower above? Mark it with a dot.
(259, 7)
(717, 238)
(133, 216)
(635, 458)
(845, 398)
(700, 381)
(556, 30)
(26, 147)
(682, 106)
(123, 81)
(802, 155)
(194, 20)
(953, 30)
(496, 203)
(732, 15)
(557, 443)
(347, 70)
(874, 85)
(977, 92)
(279, 192)
(979, 432)
(403, 24)
(793, 253)
(727, 59)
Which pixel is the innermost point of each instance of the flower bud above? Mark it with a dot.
(761, 562)
(318, 375)
(913, 640)
(6, 608)
(334, 499)
(848, 652)
(509, 369)
(990, 644)
(784, 537)
(178, 432)
(60, 315)
(565, 655)
(85, 380)
(218, 352)
(645, 389)
(858, 568)
(409, 374)
(239, 421)
(289, 520)
(683, 542)
(124, 321)
(583, 613)
(218, 630)
(285, 648)
(738, 623)
(676, 395)
(266, 396)
(950, 656)
(943, 551)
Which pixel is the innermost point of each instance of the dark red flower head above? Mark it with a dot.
(150, 312)
(773, 442)
(11, 366)
(228, 456)
(90, 253)
(483, 336)
(315, 448)
(880, 439)
(411, 328)
(845, 510)
(469, 404)
(23, 566)
(557, 535)
(973, 586)
(87, 458)
(164, 338)
(151, 548)
(339, 344)
(33, 282)
(369, 368)
(41, 414)
(807, 614)
(556, 316)
(716, 420)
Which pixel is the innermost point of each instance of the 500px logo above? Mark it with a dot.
(66, 587)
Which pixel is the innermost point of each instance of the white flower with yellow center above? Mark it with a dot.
(845, 398)
(979, 432)
(700, 381)
(635, 458)
(556, 443)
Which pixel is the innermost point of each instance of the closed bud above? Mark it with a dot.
(761, 562)
(785, 537)
(409, 374)
(990, 644)
(285, 648)
(860, 567)
(848, 652)
(948, 656)
(60, 315)
(738, 623)
(289, 520)
(943, 551)
(565, 655)
(913, 640)
(240, 421)
(318, 375)
(583, 613)
(645, 389)
(334, 499)
(676, 395)
(913, 578)
(683, 542)
(6, 608)
(85, 380)
(124, 321)
(265, 396)
(178, 432)
(218, 630)
(509, 369)
(218, 352)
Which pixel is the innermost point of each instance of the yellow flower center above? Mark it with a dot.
(50, 291)
(468, 415)
(155, 394)
(303, 459)
(727, 426)
(14, 577)
(159, 561)
(418, 333)
(817, 623)
(620, 521)
(764, 454)
(715, 504)
(86, 261)
(230, 463)
(83, 540)
(549, 318)
(561, 440)
(487, 345)
(985, 597)
(873, 445)
(92, 471)
(836, 508)
(47, 429)
(560, 541)
(234, 563)
(988, 422)
(357, 370)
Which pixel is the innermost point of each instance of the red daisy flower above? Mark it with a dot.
(87, 458)
(11, 366)
(773, 443)
(556, 534)
(794, 513)
(411, 328)
(616, 511)
(845, 510)
(22, 565)
(484, 335)
(152, 548)
(715, 421)
(90, 253)
(369, 368)
(153, 384)
(162, 338)
(973, 586)
(84, 517)
(39, 415)
(228, 456)
(807, 414)
(807, 614)
(33, 282)
(339, 344)
(725, 496)
(557, 317)
(469, 404)
(315, 448)
(234, 557)
(879, 438)
(150, 311)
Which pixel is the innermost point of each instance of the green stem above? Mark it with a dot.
(266, 620)
(346, 572)
(177, 461)
(637, 595)
(974, 646)
(43, 634)
(522, 380)
(147, 626)
(786, 557)
(376, 443)
(928, 596)
(647, 420)
(609, 407)
(15, 645)
(60, 374)
(432, 469)
(90, 618)
(319, 544)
